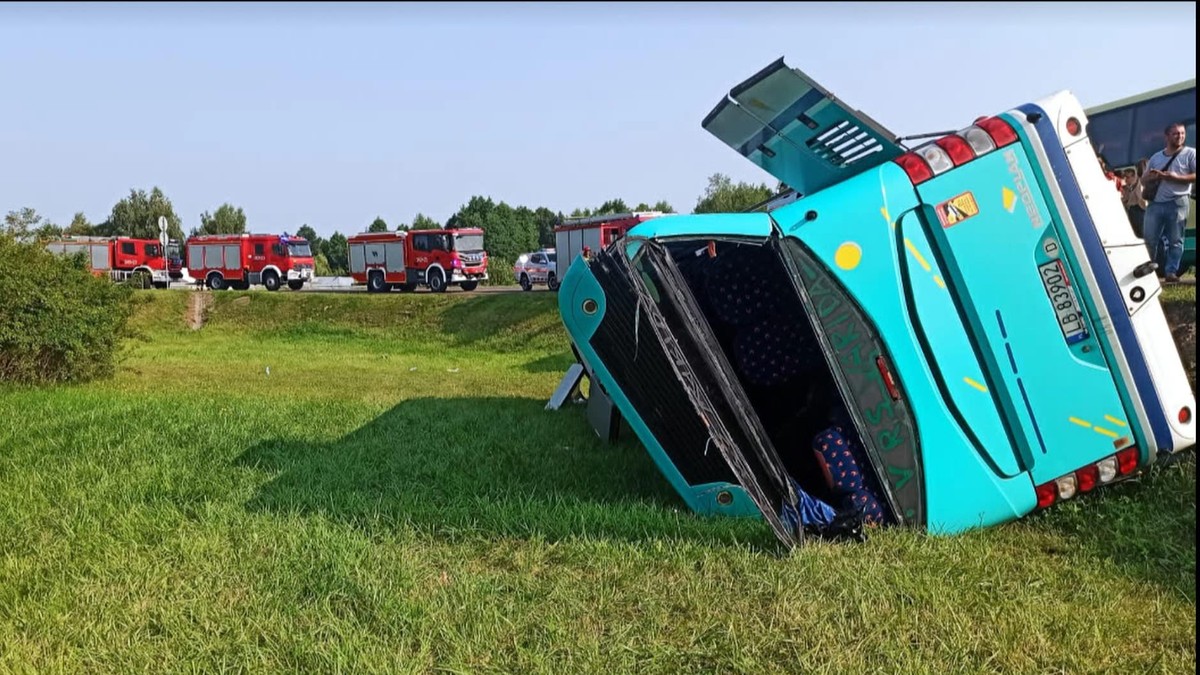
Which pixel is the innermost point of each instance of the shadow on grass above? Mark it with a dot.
(554, 363)
(490, 466)
(509, 318)
(1146, 526)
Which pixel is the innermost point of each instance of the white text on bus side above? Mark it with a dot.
(1035, 218)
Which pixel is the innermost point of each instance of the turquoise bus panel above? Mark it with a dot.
(756, 225)
(1108, 303)
(1003, 259)
(579, 285)
(852, 229)
(950, 352)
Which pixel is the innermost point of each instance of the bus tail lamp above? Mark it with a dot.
(999, 130)
(1047, 494)
(937, 158)
(1127, 460)
(979, 140)
(916, 168)
(1087, 478)
(956, 149)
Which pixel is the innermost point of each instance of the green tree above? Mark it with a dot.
(378, 225)
(79, 225)
(321, 266)
(523, 230)
(723, 196)
(46, 231)
(22, 224)
(661, 206)
(613, 206)
(474, 213)
(581, 213)
(337, 253)
(546, 221)
(137, 216)
(509, 233)
(227, 219)
(424, 222)
(310, 235)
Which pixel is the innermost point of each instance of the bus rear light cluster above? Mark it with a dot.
(956, 149)
(1087, 478)
(916, 168)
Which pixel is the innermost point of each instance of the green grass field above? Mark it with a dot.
(392, 496)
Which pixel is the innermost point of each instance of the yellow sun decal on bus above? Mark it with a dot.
(848, 255)
(957, 209)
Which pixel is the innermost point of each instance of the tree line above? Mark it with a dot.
(510, 230)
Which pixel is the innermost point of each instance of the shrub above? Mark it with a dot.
(321, 266)
(58, 323)
(500, 273)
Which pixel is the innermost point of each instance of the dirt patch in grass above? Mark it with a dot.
(197, 312)
(1181, 316)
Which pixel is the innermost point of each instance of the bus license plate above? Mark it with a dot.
(1063, 300)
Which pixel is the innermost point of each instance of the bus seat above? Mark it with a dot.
(840, 457)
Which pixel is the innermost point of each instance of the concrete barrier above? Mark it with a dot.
(331, 282)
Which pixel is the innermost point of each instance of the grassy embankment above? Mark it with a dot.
(391, 495)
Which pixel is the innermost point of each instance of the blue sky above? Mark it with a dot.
(331, 114)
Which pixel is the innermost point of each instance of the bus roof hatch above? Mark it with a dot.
(795, 130)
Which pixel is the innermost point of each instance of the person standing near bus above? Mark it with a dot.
(1131, 197)
(1172, 170)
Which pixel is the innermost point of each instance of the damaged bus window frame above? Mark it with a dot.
(852, 353)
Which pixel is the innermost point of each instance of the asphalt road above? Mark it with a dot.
(487, 290)
(453, 289)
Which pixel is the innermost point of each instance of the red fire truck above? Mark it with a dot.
(404, 260)
(235, 261)
(175, 259)
(119, 258)
(593, 233)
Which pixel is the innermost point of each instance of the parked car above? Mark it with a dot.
(537, 267)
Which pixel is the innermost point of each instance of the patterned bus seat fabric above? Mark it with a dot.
(840, 456)
(742, 289)
(774, 350)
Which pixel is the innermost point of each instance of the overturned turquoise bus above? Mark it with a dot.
(943, 338)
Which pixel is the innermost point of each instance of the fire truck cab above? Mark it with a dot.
(221, 261)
